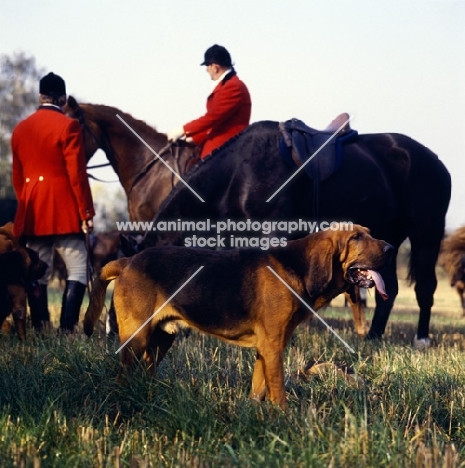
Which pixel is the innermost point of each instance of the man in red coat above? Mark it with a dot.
(54, 198)
(228, 106)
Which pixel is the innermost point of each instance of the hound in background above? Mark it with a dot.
(20, 268)
(452, 259)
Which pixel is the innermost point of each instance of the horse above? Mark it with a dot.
(452, 259)
(387, 182)
(143, 176)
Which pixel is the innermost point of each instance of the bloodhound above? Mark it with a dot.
(20, 268)
(235, 297)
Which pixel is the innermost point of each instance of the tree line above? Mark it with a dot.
(19, 88)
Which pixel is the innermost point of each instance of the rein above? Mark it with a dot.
(89, 267)
(97, 166)
(167, 149)
(86, 129)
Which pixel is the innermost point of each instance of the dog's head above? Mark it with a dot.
(21, 267)
(347, 257)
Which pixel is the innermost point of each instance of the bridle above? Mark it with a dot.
(87, 130)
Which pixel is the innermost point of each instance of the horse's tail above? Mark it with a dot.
(99, 288)
(430, 190)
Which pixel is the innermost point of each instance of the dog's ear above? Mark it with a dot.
(9, 241)
(320, 267)
(36, 267)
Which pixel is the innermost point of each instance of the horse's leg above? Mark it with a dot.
(424, 261)
(383, 307)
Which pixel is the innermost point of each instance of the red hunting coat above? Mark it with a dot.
(228, 113)
(49, 175)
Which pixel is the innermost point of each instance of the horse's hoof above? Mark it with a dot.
(421, 344)
(373, 336)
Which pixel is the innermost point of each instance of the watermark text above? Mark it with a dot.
(232, 233)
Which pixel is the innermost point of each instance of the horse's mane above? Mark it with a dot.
(452, 251)
(211, 160)
(108, 114)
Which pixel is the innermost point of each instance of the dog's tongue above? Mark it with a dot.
(379, 283)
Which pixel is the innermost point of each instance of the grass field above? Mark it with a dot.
(60, 405)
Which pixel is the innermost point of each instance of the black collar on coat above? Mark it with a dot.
(228, 76)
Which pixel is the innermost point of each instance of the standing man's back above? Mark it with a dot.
(55, 205)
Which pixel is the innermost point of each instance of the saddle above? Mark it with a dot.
(319, 151)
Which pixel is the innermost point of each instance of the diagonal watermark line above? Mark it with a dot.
(310, 158)
(310, 309)
(161, 159)
(158, 310)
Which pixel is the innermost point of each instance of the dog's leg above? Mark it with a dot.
(358, 311)
(19, 306)
(160, 343)
(258, 391)
(273, 361)
(136, 348)
(460, 288)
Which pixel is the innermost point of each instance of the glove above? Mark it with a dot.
(175, 134)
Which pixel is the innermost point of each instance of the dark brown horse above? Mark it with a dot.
(388, 182)
(145, 179)
(452, 259)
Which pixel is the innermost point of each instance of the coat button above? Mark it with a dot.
(27, 180)
(41, 178)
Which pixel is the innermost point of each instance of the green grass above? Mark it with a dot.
(61, 406)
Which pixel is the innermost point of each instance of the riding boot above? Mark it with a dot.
(71, 305)
(37, 298)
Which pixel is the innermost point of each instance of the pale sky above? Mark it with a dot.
(395, 66)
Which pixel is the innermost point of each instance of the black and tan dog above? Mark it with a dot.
(235, 296)
(19, 269)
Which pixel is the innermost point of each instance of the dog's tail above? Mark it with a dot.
(99, 288)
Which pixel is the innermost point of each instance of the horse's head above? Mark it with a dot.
(90, 131)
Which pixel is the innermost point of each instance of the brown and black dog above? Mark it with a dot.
(235, 296)
(19, 268)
